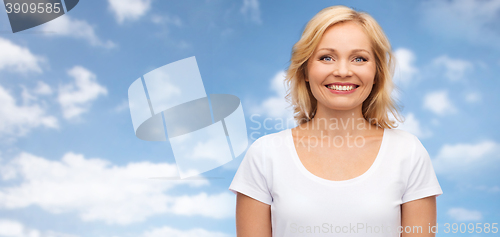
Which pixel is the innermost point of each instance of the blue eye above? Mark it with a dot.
(360, 59)
(326, 58)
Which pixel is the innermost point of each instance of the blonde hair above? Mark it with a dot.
(378, 104)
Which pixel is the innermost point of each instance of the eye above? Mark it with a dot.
(360, 59)
(326, 58)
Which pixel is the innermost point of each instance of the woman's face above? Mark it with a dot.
(342, 69)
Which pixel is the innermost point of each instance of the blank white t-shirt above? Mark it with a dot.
(303, 204)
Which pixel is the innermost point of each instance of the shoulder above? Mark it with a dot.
(402, 137)
(406, 143)
(270, 140)
(269, 147)
(402, 134)
(409, 144)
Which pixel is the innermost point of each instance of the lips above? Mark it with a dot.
(338, 86)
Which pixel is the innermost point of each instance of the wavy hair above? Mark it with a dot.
(378, 104)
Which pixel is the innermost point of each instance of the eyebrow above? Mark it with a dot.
(353, 51)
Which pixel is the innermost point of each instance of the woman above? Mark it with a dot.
(343, 171)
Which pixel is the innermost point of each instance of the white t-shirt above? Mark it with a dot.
(303, 204)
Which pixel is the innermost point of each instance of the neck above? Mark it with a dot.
(340, 122)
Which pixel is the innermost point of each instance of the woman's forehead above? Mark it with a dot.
(345, 36)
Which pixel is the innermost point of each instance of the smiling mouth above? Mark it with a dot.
(341, 87)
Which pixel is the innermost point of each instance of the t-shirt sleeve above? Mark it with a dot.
(250, 178)
(422, 180)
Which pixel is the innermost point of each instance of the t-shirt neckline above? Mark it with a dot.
(303, 170)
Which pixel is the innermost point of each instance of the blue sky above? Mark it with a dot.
(70, 164)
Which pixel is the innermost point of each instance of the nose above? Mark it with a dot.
(342, 69)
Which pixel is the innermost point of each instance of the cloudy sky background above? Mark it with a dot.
(70, 164)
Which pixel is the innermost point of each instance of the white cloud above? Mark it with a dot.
(489, 189)
(473, 97)
(405, 66)
(455, 69)
(79, 29)
(171, 232)
(10, 228)
(76, 98)
(19, 59)
(468, 20)
(17, 120)
(31, 96)
(413, 126)
(251, 9)
(122, 106)
(439, 103)
(165, 19)
(42, 89)
(26, 96)
(97, 190)
(275, 106)
(462, 214)
(13, 228)
(463, 158)
(215, 206)
(129, 9)
(278, 84)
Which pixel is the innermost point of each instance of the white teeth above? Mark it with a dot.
(341, 88)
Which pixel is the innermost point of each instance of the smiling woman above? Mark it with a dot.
(364, 179)
(367, 43)
(343, 52)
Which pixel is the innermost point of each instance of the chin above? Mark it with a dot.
(342, 107)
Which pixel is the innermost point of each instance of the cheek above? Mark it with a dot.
(367, 75)
(317, 72)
